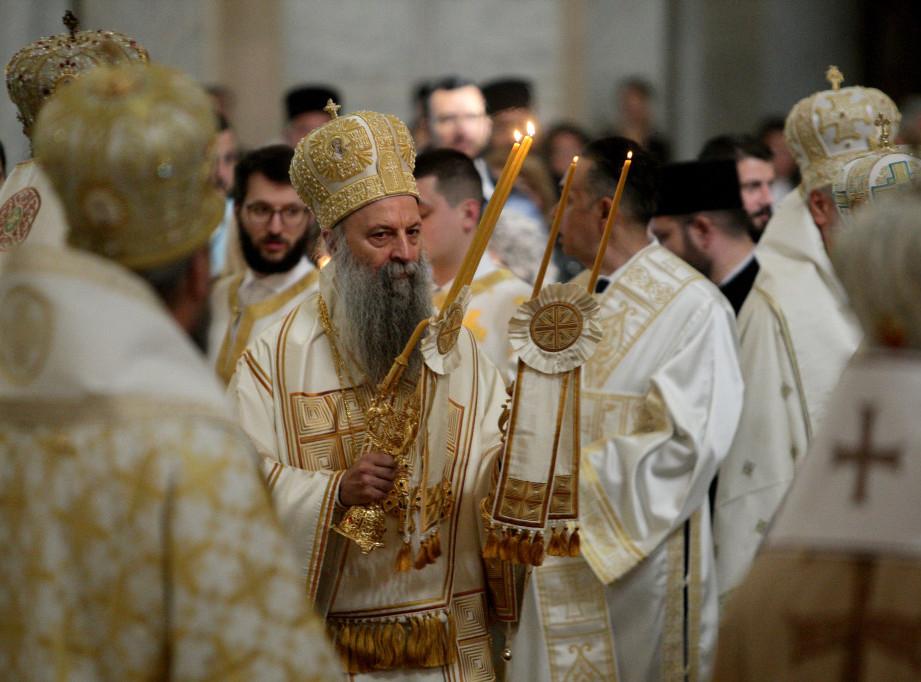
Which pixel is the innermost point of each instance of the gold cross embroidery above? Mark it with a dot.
(864, 456)
(837, 115)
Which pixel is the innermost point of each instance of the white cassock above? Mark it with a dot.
(137, 540)
(243, 306)
(796, 333)
(835, 592)
(660, 403)
(495, 294)
(29, 207)
(308, 428)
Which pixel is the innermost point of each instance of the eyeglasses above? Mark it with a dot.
(261, 214)
(454, 119)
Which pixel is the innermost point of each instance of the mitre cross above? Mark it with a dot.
(71, 22)
(332, 108)
(835, 77)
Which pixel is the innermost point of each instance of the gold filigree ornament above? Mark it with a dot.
(39, 69)
(557, 330)
(392, 429)
(439, 348)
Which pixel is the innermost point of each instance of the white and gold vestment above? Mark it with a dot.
(660, 401)
(137, 539)
(308, 425)
(29, 207)
(243, 306)
(495, 294)
(796, 333)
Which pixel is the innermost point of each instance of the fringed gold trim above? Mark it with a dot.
(429, 551)
(421, 641)
(536, 556)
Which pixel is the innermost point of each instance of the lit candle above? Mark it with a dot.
(555, 228)
(609, 225)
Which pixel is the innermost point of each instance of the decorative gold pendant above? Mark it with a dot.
(364, 525)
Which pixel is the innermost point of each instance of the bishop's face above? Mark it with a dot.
(388, 230)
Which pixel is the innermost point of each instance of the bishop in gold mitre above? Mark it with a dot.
(422, 603)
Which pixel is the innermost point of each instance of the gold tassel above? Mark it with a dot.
(435, 548)
(365, 648)
(575, 545)
(434, 649)
(398, 644)
(523, 555)
(404, 558)
(511, 547)
(413, 643)
(491, 548)
(422, 558)
(384, 653)
(537, 550)
(553, 547)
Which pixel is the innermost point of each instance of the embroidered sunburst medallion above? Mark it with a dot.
(17, 215)
(26, 330)
(447, 335)
(341, 150)
(556, 326)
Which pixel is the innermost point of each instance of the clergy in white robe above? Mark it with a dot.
(660, 403)
(273, 231)
(834, 592)
(450, 202)
(796, 328)
(138, 540)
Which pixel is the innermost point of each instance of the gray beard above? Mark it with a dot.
(380, 312)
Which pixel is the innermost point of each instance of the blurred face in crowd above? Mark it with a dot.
(755, 178)
(273, 225)
(226, 155)
(457, 119)
(673, 233)
(302, 124)
(579, 234)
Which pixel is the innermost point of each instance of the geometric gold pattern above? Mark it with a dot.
(523, 501)
(556, 326)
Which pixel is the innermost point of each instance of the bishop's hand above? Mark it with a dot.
(368, 480)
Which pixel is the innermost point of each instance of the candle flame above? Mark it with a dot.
(517, 136)
(530, 129)
(324, 260)
(575, 159)
(630, 154)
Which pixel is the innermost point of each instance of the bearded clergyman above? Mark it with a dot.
(304, 391)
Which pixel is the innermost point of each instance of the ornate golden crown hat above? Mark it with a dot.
(352, 161)
(829, 128)
(128, 150)
(39, 69)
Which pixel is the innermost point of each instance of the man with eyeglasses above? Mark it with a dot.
(274, 234)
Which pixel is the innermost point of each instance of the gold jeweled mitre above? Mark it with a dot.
(352, 161)
(128, 151)
(829, 128)
(37, 70)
